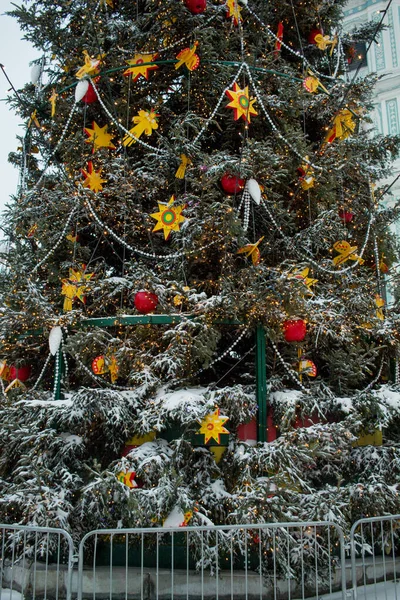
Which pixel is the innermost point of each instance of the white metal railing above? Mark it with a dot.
(375, 568)
(276, 560)
(35, 563)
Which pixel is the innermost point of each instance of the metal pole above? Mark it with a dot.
(261, 384)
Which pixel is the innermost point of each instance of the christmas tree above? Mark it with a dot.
(193, 174)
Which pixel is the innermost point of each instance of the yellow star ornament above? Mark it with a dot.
(99, 137)
(169, 217)
(93, 179)
(241, 103)
(252, 251)
(303, 276)
(346, 252)
(212, 426)
(139, 66)
(91, 66)
(75, 287)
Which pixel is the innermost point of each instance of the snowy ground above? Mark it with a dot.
(6, 594)
(379, 591)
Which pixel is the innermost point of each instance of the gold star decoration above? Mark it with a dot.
(53, 101)
(185, 161)
(252, 251)
(307, 178)
(169, 217)
(93, 179)
(380, 303)
(241, 103)
(188, 57)
(343, 126)
(99, 137)
(233, 11)
(303, 276)
(324, 41)
(146, 122)
(91, 66)
(139, 66)
(128, 479)
(75, 286)
(33, 119)
(212, 426)
(346, 252)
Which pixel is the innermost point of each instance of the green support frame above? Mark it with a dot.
(261, 369)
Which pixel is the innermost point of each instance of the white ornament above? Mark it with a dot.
(254, 190)
(81, 88)
(36, 72)
(55, 339)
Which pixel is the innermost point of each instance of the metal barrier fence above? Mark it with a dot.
(35, 562)
(375, 545)
(282, 560)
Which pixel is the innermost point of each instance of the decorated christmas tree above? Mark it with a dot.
(194, 318)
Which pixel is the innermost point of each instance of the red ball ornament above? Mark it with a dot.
(294, 330)
(312, 34)
(196, 7)
(346, 215)
(145, 302)
(90, 95)
(231, 184)
(20, 373)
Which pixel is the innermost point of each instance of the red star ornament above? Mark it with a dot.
(241, 103)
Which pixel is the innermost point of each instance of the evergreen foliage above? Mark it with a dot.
(60, 459)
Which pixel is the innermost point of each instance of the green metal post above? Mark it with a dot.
(261, 384)
(58, 373)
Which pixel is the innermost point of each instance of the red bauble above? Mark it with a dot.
(145, 302)
(196, 7)
(312, 34)
(21, 373)
(90, 95)
(294, 330)
(346, 215)
(231, 184)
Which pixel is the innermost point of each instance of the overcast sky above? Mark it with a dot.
(15, 56)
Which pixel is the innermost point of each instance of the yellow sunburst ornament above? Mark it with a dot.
(241, 103)
(168, 217)
(212, 426)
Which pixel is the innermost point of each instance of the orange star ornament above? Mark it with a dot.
(139, 66)
(169, 217)
(212, 426)
(241, 103)
(93, 178)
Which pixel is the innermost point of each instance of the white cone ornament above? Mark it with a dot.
(81, 88)
(36, 71)
(55, 339)
(254, 190)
